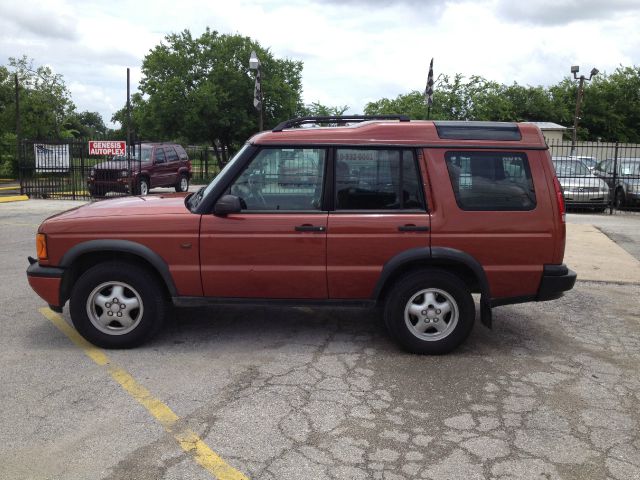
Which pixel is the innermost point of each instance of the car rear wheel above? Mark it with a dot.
(430, 312)
(143, 187)
(619, 200)
(183, 184)
(117, 305)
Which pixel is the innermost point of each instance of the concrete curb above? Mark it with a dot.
(13, 198)
(596, 257)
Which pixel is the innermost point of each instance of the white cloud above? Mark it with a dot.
(354, 51)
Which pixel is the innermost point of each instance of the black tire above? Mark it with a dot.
(180, 185)
(619, 199)
(97, 192)
(449, 333)
(147, 319)
(143, 187)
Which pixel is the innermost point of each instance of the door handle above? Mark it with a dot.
(309, 228)
(413, 228)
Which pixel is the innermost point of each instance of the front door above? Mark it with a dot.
(276, 246)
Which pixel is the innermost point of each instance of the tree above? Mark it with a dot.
(87, 124)
(316, 109)
(610, 110)
(201, 89)
(45, 101)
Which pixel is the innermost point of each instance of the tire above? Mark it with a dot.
(97, 192)
(126, 326)
(143, 187)
(619, 200)
(183, 184)
(426, 291)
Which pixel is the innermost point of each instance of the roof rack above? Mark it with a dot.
(296, 122)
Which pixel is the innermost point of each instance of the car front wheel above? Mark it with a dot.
(117, 305)
(429, 312)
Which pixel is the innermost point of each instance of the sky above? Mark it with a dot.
(354, 51)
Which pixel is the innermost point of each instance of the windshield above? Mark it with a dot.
(194, 200)
(570, 168)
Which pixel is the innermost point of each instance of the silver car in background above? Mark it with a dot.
(581, 189)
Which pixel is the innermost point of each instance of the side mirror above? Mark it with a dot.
(227, 204)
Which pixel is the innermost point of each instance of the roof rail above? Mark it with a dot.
(296, 122)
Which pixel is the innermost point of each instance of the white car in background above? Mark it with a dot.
(581, 189)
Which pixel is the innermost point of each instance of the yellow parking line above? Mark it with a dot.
(188, 440)
(13, 198)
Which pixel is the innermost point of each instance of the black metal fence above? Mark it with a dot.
(598, 176)
(594, 176)
(65, 170)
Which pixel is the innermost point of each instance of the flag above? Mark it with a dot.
(428, 93)
(257, 91)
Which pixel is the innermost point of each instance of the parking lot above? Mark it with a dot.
(273, 393)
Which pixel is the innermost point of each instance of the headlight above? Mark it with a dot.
(124, 173)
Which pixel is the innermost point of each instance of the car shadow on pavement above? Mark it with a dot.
(247, 328)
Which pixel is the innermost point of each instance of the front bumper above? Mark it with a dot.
(46, 282)
(556, 279)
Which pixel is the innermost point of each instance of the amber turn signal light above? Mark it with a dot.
(41, 246)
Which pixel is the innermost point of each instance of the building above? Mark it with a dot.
(552, 132)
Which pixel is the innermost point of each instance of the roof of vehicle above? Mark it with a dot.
(414, 132)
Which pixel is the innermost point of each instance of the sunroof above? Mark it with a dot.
(455, 130)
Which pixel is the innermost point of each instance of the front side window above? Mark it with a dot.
(288, 179)
(377, 179)
(491, 180)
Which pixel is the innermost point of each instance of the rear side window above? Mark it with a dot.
(377, 179)
(181, 152)
(172, 156)
(491, 180)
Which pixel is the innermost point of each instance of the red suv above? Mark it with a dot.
(152, 165)
(415, 216)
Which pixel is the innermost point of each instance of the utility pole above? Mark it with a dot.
(18, 132)
(576, 117)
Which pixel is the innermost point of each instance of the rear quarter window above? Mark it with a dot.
(491, 180)
(181, 152)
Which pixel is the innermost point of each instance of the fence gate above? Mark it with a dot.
(64, 170)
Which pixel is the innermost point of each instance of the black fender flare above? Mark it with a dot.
(123, 246)
(451, 255)
(440, 256)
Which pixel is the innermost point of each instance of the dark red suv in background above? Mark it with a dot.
(151, 165)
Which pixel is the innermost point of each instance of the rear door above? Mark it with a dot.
(173, 165)
(378, 212)
(496, 207)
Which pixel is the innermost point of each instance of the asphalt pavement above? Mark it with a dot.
(274, 393)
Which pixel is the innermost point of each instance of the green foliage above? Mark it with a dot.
(316, 109)
(610, 109)
(201, 89)
(8, 151)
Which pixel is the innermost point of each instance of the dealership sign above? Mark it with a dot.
(114, 147)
